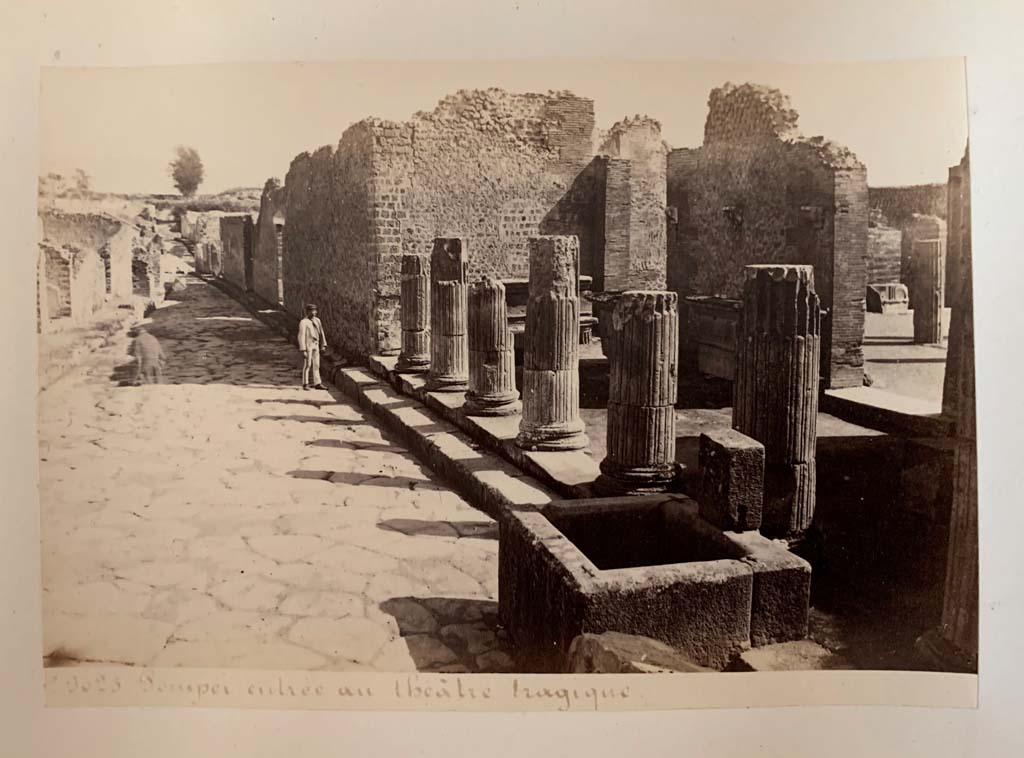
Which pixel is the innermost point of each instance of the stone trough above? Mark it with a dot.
(649, 566)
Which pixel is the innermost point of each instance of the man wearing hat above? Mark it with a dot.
(311, 343)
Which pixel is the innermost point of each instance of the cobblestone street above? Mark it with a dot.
(227, 518)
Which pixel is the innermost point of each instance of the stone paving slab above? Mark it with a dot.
(228, 518)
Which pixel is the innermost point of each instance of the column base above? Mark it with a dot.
(494, 405)
(939, 654)
(447, 384)
(412, 365)
(553, 437)
(635, 480)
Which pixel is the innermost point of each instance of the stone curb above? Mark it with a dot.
(489, 483)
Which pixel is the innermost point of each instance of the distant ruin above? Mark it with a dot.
(758, 192)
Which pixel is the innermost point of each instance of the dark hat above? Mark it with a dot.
(310, 306)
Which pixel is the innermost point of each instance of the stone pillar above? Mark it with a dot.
(954, 644)
(449, 359)
(775, 394)
(415, 314)
(551, 378)
(492, 357)
(643, 353)
(928, 265)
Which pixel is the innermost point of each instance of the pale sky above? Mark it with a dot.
(907, 121)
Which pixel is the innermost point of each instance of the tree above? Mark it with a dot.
(186, 170)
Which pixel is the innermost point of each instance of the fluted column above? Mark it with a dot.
(928, 263)
(415, 314)
(551, 379)
(449, 360)
(492, 358)
(775, 394)
(643, 367)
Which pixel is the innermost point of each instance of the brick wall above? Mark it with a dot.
(757, 192)
(267, 243)
(486, 166)
(640, 204)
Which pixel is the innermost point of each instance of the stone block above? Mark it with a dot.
(782, 589)
(644, 565)
(618, 653)
(731, 479)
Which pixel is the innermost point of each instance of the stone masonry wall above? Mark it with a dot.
(330, 239)
(488, 167)
(884, 245)
(267, 243)
(757, 192)
(87, 284)
(112, 238)
(236, 240)
(57, 268)
(637, 141)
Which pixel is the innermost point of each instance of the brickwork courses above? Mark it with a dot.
(490, 167)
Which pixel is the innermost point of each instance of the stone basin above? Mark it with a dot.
(649, 566)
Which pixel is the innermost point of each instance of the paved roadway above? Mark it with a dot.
(227, 518)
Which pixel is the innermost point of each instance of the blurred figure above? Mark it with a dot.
(312, 343)
(149, 356)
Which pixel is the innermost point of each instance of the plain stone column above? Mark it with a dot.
(954, 644)
(492, 357)
(643, 354)
(415, 314)
(775, 394)
(449, 349)
(928, 265)
(551, 378)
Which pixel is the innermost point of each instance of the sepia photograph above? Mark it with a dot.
(521, 367)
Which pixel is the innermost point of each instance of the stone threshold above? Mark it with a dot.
(570, 473)
(887, 412)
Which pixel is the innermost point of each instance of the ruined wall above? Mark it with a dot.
(635, 203)
(236, 234)
(208, 248)
(57, 269)
(757, 192)
(486, 166)
(112, 238)
(87, 284)
(917, 228)
(884, 251)
(268, 247)
(329, 236)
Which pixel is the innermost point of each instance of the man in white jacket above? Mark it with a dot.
(311, 342)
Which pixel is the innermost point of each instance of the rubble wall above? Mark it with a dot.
(233, 239)
(488, 167)
(268, 247)
(87, 284)
(330, 239)
(757, 192)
